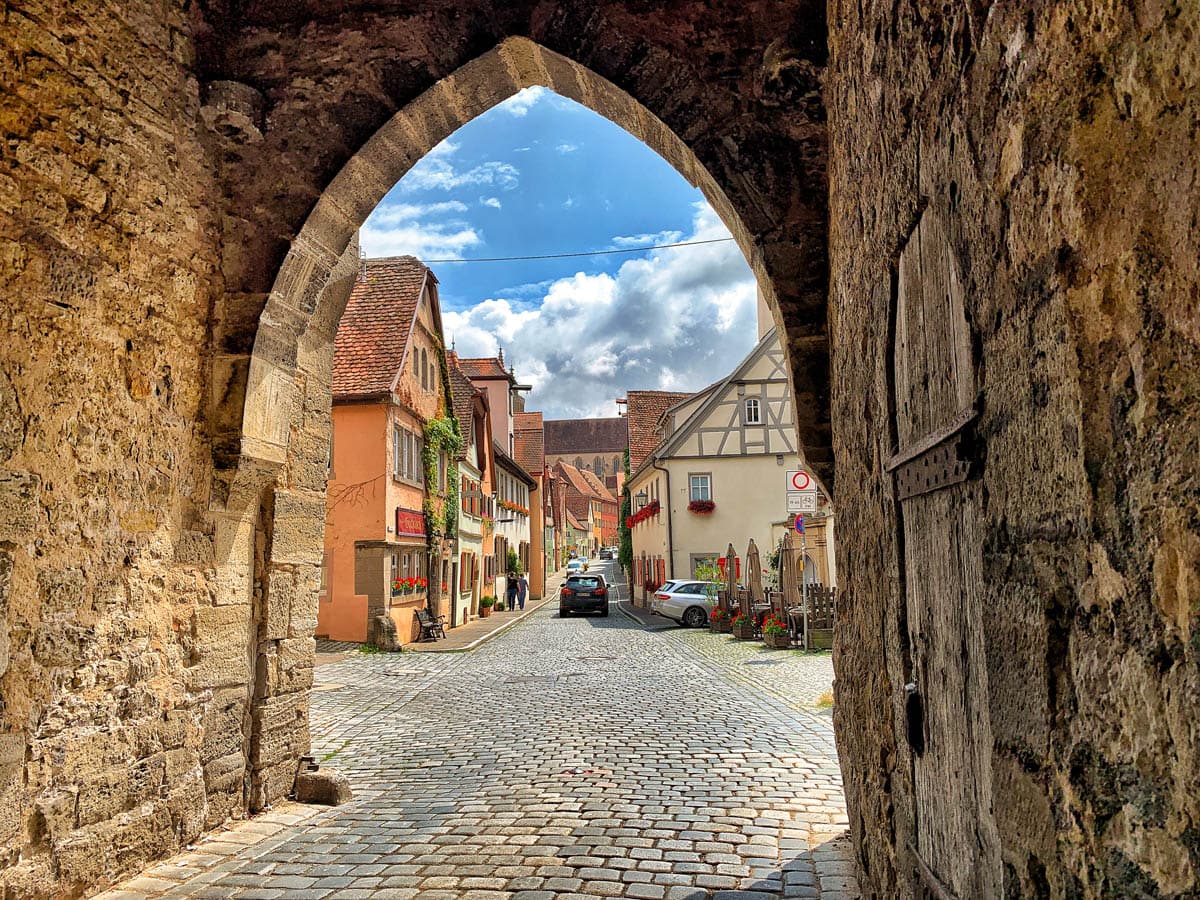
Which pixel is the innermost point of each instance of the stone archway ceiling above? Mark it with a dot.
(294, 91)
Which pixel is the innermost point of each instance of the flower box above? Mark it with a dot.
(702, 507)
(778, 641)
(743, 631)
(720, 626)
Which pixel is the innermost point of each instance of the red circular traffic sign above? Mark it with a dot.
(800, 481)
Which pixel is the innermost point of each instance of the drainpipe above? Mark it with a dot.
(670, 524)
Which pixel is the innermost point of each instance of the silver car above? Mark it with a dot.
(687, 602)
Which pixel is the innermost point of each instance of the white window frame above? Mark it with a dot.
(701, 481)
(756, 419)
(397, 450)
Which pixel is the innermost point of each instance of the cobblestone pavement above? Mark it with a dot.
(575, 758)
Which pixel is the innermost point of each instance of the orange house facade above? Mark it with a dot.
(388, 383)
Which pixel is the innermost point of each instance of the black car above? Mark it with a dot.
(583, 593)
(605, 553)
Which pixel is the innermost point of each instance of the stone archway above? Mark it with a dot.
(284, 437)
(165, 158)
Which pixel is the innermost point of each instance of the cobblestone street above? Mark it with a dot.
(565, 758)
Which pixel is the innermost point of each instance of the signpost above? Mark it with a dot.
(802, 497)
(799, 525)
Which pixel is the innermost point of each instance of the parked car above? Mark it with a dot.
(687, 602)
(583, 593)
(606, 553)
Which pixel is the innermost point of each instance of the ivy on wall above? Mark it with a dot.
(625, 553)
(442, 435)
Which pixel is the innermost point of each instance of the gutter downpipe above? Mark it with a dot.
(670, 524)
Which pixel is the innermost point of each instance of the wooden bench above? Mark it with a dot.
(431, 628)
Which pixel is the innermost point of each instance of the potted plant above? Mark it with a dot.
(702, 507)
(775, 633)
(719, 621)
(742, 626)
(485, 606)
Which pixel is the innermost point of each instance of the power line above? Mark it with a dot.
(581, 253)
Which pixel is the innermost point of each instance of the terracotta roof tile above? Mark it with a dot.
(486, 367)
(502, 458)
(586, 435)
(644, 412)
(373, 333)
(573, 521)
(527, 442)
(464, 394)
(597, 486)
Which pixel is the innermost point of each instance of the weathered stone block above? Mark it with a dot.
(18, 505)
(323, 786)
(299, 536)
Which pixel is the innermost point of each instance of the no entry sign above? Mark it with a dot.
(799, 480)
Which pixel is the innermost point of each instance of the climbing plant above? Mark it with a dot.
(442, 435)
(625, 551)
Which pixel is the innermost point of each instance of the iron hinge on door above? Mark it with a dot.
(940, 459)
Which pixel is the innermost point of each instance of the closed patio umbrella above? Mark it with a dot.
(755, 563)
(789, 582)
(731, 574)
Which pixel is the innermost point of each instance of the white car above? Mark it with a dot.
(687, 602)
(575, 566)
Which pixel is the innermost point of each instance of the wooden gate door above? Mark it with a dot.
(957, 852)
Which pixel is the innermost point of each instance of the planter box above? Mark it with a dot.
(485, 611)
(820, 639)
(777, 641)
(724, 626)
(744, 632)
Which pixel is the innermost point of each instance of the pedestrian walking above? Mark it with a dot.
(512, 590)
(522, 590)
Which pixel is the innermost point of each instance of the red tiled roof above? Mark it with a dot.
(527, 442)
(374, 330)
(645, 410)
(586, 435)
(502, 458)
(597, 486)
(464, 394)
(486, 367)
(573, 521)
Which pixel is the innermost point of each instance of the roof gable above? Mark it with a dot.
(644, 411)
(376, 327)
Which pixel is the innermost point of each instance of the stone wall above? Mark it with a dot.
(1057, 143)
(177, 207)
(108, 694)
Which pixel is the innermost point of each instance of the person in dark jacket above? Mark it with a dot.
(512, 590)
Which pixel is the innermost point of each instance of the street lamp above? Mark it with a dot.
(641, 498)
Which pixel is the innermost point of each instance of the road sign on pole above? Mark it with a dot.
(799, 524)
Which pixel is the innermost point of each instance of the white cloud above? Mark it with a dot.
(568, 203)
(565, 148)
(654, 239)
(672, 320)
(399, 229)
(522, 101)
(437, 171)
(493, 202)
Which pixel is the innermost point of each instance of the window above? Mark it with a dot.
(753, 416)
(323, 593)
(700, 487)
(406, 455)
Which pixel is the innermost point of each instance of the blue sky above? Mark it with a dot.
(540, 174)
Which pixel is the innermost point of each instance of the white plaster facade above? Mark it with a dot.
(731, 444)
